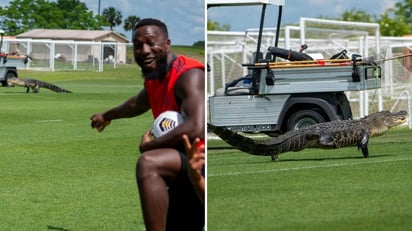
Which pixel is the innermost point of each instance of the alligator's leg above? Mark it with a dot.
(37, 88)
(275, 157)
(363, 144)
(34, 88)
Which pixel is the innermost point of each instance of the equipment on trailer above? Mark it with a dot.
(278, 96)
(9, 63)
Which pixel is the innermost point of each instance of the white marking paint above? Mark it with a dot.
(212, 136)
(306, 167)
(49, 121)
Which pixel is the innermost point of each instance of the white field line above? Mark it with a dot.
(305, 167)
(212, 136)
(49, 121)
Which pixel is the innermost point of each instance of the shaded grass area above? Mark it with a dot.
(56, 172)
(312, 189)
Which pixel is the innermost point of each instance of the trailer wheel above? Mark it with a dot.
(9, 74)
(304, 118)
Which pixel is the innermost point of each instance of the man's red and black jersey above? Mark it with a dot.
(161, 93)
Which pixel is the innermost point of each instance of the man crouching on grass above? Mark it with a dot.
(168, 199)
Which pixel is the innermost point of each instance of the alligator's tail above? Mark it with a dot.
(245, 144)
(52, 87)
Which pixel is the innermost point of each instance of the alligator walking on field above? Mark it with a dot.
(329, 135)
(35, 85)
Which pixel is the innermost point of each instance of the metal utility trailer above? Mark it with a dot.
(277, 96)
(9, 63)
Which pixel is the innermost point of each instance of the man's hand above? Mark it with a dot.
(99, 122)
(196, 160)
(146, 138)
(195, 154)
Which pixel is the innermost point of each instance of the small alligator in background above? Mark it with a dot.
(35, 85)
(329, 135)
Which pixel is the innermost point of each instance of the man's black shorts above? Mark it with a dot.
(186, 211)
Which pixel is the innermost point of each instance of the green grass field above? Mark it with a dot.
(59, 174)
(313, 189)
(56, 172)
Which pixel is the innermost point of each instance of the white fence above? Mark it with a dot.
(226, 51)
(53, 55)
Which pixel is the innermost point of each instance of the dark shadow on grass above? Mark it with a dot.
(282, 156)
(15, 92)
(331, 158)
(220, 148)
(50, 227)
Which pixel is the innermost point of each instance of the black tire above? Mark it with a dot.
(9, 74)
(304, 118)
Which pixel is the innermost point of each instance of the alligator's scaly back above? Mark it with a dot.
(335, 134)
(35, 85)
(291, 141)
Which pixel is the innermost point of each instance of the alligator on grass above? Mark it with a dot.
(329, 135)
(35, 85)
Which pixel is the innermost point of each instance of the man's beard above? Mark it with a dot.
(160, 71)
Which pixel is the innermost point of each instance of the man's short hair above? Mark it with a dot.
(153, 22)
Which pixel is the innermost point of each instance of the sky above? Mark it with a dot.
(245, 17)
(185, 18)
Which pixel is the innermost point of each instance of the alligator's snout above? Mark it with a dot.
(402, 116)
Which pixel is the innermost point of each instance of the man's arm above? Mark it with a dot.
(134, 106)
(190, 93)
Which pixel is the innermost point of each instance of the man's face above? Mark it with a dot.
(150, 51)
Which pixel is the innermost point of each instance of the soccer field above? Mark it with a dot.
(59, 174)
(56, 172)
(313, 189)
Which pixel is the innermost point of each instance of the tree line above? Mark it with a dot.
(395, 21)
(23, 15)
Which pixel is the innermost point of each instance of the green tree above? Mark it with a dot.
(200, 44)
(130, 22)
(112, 17)
(211, 25)
(355, 15)
(23, 15)
(76, 15)
(397, 26)
(397, 21)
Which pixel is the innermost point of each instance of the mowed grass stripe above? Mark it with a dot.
(307, 167)
(58, 173)
(313, 189)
